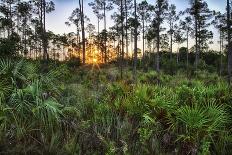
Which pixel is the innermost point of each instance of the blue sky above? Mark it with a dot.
(56, 19)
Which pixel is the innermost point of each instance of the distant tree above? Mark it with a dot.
(104, 6)
(179, 39)
(7, 10)
(90, 28)
(164, 42)
(186, 25)
(161, 7)
(117, 28)
(202, 14)
(220, 24)
(41, 9)
(63, 41)
(172, 17)
(24, 12)
(9, 46)
(120, 4)
(97, 11)
(144, 14)
(75, 18)
(128, 5)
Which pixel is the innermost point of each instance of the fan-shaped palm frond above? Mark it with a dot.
(5, 89)
(192, 117)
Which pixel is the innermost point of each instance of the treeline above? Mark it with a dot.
(160, 27)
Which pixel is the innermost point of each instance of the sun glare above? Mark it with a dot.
(94, 60)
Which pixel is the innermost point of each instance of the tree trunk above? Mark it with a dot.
(222, 50)
(43, 28)
(220, 66)
(44, 32)
(143, 37)
(158, 47)
(177, 55)
(196, 44)
(187, 50)
(81, 4)
(127, 44)
(135, 45)
(98, 32)
(11, 18)
(229, 42)
(105, 39)
(118, 48)
(171, 41)
(122, 31)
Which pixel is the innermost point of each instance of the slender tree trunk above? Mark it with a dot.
(143, 37)
(131, 40)
(8, 27)
(229, 42)
(11, 18)
(171, 41)
(41, 21)
(158, 47)
(105, 37)
(200, 44)
(127, 44)
(122, 31)
(81, 4)
(220, 68)
(171, 47)
(196, 44)
(45, 35)
(187, 50)
(83, 32)
(43, 28)
(78, 37)
(36, 44)
(177, 55)
(222, 50)
(98, 32)
(118, 48)
(63, 52)
(135, 45)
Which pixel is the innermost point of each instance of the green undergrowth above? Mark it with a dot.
(92, 111)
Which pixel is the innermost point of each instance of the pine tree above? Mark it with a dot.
(186, 25)
(220, 24)
(202, 17)
(161, 7)
(172, 17)
(144, 14)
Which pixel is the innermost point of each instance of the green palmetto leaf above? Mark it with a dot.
(5, 89)
(4, 117)
(217, 116)
(18, 72)
(193, 117)
(48, 112)
(6, 66)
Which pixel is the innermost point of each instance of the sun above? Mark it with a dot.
(94, 60)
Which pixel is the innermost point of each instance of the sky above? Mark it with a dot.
(63, 8)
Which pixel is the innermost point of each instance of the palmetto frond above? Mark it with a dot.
(192, 117)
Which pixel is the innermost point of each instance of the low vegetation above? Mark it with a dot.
(79, 111)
